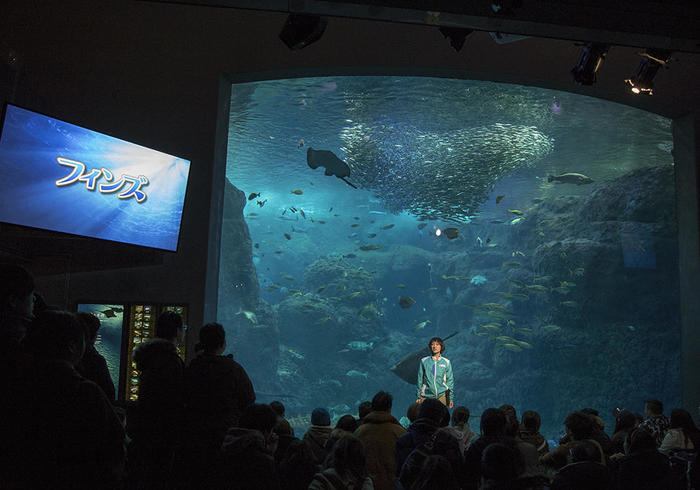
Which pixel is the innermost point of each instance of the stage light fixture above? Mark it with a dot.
(592, 56)
(642, 83)
(456, 35)
(301, 30)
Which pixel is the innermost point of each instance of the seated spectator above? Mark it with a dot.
(298, 466)
(528, 452)
(247, 454)
(363, 410)
(440, 443)
(58, 428)
(346, 468)
(579, 427)
(530, 432)
(436, 473)
(93, 365)
(345, 426)
(318, 433)
(682, 433)
(643, 467)
(283, 426)
(625, 422)
(655, 422)
(431, 415)
(16, 307)
(379, 433)
(502, 469)
(412, 412)
(217, 390)
(597, 433)
(585, 470)
(460, 428)
(283, 429)
(493, 430)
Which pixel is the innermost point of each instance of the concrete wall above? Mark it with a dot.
(158, 75)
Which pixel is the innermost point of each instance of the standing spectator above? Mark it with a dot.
(155, 421)
(346, 468)
(283, 426)
(16, 307)
(318, 433)
(363, 409)
(655, 422)
(217, 390)
(93, 365)
(530, 431)
(62, 430)
(345, 426)
(643, 468)
(379, 433)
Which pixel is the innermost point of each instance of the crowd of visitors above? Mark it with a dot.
(199, 426)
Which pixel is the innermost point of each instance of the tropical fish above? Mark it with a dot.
(322, 288)
(371, 235)
(512, 347)
(451, 233)
(261, 203)
(288, 277)
(253, 195)
(301, 143)
(349, 256)
(278, 251)
(550, 328)
(578, 272)
(356, 218)
(420, 326)
(360, 345)
(355, 294)
(323, 320)
(298, 192)
(505, 338)
(511, 264)
(295, 354)
(538, 288)
(429, 290)
(332, 164)
(516, 211)
(355, 373)
(516, 283)
(518, 220)
(354, 225)
(491, 326)
(569, 304)
(248, 314)
(518, 253)
(570, 178)
(523, 344)
(366, 248)
(271, 288)
(287, 236)
(320, 222)
(252, 214)
(387, 227)
(499, 198)
(301, 212)
(406, 302)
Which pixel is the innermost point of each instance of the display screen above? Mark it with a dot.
(61, 177)
(109, 336)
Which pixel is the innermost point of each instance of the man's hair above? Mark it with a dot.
(625, 420)
(51, 334)
(258, 417)
(347, 422)
(412, 412)
(640, 441)
(493, 422)
(90, 323)
(363, 409)
(168, 324)
(211, 337)
(434, 410)
(531, 420)
(460, 415)
(348, 457)
(439, 341)
(655, 406)
(382, 402)
(509, 410)
(278, 408)
(16, 281)
(590, 411)
(580, 425)
(500, 462)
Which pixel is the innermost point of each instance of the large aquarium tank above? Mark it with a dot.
(534, 230)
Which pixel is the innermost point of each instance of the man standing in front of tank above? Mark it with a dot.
(435, 379)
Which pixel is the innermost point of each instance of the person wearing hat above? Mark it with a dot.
(318, 433)
(435, 379)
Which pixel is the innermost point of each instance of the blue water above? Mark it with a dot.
(326, 291)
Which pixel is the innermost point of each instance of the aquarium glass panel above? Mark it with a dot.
(534, 228)
(109, 336)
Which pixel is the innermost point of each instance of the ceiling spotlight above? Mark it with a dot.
(456, 35)
(643, 80)
(301, 30)
(592, 56)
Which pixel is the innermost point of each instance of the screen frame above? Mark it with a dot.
(66, 234)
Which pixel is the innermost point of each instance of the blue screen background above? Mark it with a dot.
(29, 146)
